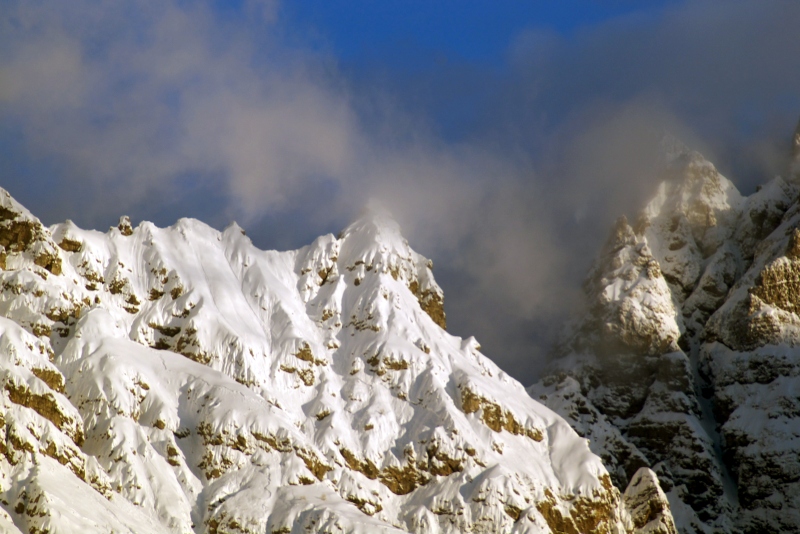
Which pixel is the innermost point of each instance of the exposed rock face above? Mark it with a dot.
(630, 300)
(22, 232)
(686, 360)
(757, 403)
(181, 380)
(648, 505)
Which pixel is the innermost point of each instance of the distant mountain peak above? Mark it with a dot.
(712, 409)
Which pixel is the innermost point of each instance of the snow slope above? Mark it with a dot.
(181, 380)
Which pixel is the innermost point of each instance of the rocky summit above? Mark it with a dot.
(686, 359)
(180, 380)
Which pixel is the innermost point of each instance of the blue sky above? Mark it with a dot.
(473, 31)
(504, 136)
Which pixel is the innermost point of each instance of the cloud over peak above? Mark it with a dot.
(506, 175)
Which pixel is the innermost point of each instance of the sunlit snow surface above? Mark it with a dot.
(194, 383)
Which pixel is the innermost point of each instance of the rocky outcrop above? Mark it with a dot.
(631, 305)
(647, 504)
(22, 232)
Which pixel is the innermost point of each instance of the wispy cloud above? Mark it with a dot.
(135, 103)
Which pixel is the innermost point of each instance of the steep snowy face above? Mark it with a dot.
(702, 386)
(181, 380)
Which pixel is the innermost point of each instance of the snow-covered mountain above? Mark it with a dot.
(687, 358)
(181, 380)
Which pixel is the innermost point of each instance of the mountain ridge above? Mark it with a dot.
(179, 379)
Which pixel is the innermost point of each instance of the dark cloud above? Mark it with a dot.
(507, 176)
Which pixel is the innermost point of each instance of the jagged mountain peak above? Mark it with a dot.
(693, 188)
(181, 380)
(693, 213)
(714, 415)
